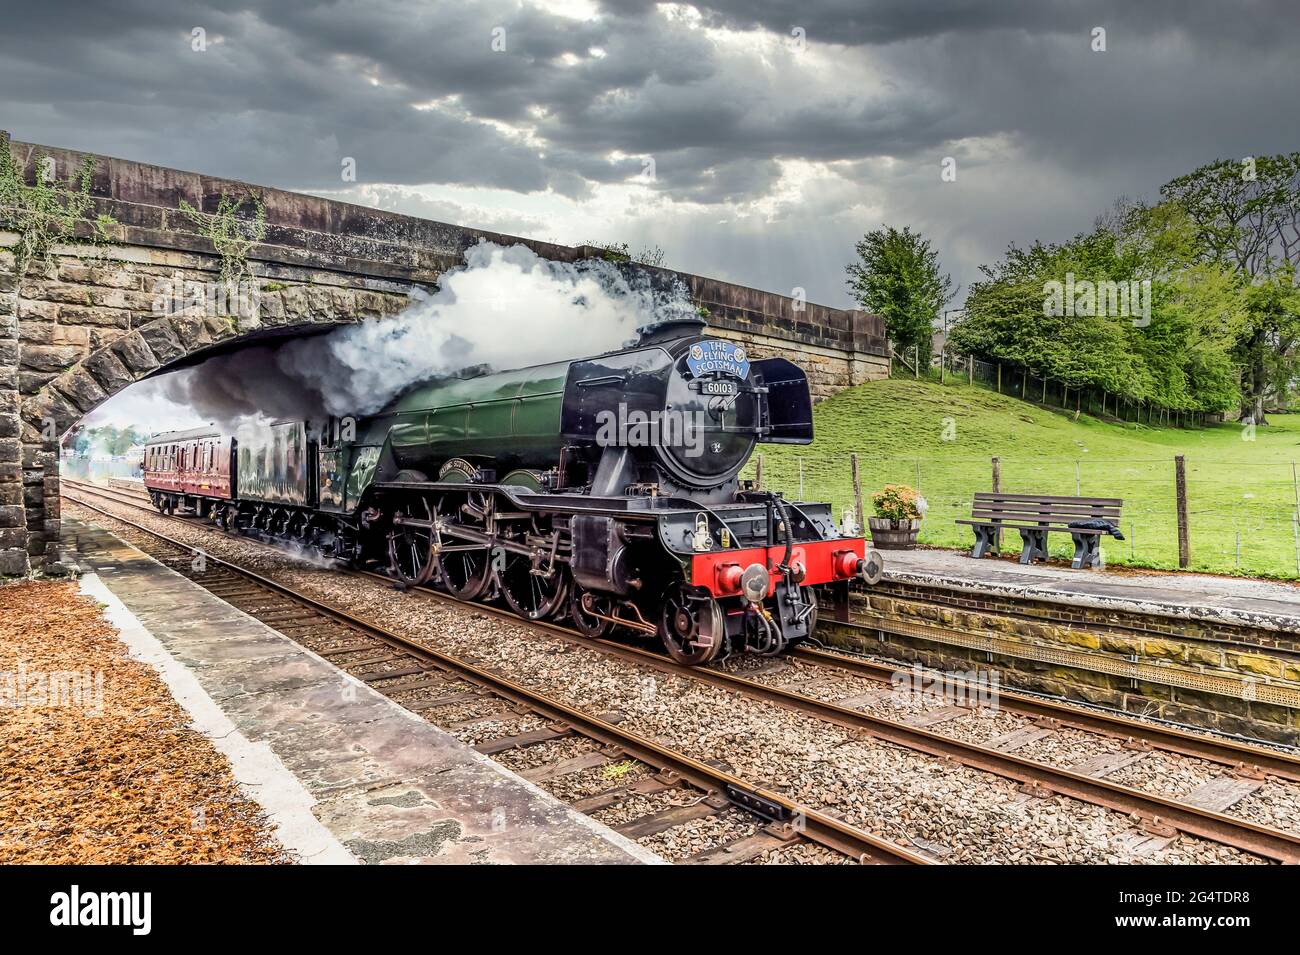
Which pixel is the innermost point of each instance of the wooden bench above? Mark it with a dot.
(1035, 516)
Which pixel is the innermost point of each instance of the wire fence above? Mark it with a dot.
(1242, 518)
(1020, 382)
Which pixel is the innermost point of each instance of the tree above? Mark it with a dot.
(897, 276)
(1268, 350)
(110, 440)
(1173, 349)
(1247, 215)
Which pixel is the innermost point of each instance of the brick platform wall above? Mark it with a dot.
(1236, 679)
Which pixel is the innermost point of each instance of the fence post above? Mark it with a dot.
(1295, 487)
(1295, 520)
(1180, 491)
(943, 363)
(1044, 389)
(997, 487)
(1024, 386)
(857, 496)
(999, 377)
(970, 369)
(1295, 530)
(758, 473)
(1077, 483)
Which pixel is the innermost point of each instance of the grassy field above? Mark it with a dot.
(941, 438)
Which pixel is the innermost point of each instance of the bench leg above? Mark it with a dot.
(985, 537)
(1034, 546)
(1086, 550)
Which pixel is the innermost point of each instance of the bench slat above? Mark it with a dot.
(1046, 508)
(1011, 526)
(1046, 498)
(1067, 516)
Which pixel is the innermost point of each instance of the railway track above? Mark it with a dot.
(400, 667)
(1246, 765)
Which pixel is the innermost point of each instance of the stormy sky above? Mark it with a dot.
(778, 132)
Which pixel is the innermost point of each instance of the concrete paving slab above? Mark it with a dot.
(351, 775)
(307, 709)
(1241, 601)
(410, 814)
(289, 672)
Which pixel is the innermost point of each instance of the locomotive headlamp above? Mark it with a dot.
(755, 583)
(701, 540)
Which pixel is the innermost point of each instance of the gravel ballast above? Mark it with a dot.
(955, 813)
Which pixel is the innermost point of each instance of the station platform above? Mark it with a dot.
(1236, 601)
(345, 774)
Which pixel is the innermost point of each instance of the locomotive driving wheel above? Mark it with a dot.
(584, 605)
(691, 626)
(534, 596)
(465, 567)
(411, 551)
(534, 584)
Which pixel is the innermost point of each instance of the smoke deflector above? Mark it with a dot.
(789, 403)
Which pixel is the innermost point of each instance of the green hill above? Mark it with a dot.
(941, 438)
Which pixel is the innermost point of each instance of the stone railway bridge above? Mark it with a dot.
(85, 324)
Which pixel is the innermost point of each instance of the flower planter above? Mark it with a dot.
(893, 535)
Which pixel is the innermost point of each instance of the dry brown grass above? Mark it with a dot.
(125, 780)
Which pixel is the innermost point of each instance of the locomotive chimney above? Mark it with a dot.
(670, 330)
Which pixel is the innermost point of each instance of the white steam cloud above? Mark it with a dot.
(506, 308)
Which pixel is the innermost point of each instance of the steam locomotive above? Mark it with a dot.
(605, 489)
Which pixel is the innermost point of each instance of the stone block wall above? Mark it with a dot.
(1237, 679)
(82, 328)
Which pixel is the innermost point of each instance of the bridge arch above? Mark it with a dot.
(116, 302)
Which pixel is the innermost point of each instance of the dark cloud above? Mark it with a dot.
(1045, 130)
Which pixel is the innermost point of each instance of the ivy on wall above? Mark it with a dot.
(231, 235)
(46, 211)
